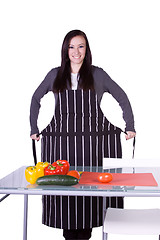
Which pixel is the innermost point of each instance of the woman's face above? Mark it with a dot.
(77, 50)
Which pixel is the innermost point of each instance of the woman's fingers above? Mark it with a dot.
(130, 135)
(35, 137)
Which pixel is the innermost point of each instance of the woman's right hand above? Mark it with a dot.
(35, 137)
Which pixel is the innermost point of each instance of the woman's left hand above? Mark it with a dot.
(130, 135)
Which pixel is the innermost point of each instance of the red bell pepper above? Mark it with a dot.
(51, 170)
(64, 164)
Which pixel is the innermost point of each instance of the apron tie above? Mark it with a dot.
(48, 134)
(34, 149)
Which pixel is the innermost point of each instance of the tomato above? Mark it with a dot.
(74, 173)
(105, 177)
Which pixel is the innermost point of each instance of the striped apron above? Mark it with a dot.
(80, 134)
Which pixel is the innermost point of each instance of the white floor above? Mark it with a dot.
(11, 219)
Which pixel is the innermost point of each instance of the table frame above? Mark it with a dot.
(66, 193)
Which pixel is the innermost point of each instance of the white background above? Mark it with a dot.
(124, 38)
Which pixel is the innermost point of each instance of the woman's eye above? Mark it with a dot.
(81, 46)
(70, 47)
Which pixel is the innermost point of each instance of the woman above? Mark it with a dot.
(79, 132)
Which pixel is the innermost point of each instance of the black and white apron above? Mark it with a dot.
(79, 133)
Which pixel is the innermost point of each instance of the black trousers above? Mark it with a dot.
(77, 234)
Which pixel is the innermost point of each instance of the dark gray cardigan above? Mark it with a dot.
(102, 83)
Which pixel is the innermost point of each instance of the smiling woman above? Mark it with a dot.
(75, 58)
(76, 53)
(78, 132)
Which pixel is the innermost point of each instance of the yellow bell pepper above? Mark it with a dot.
(40, 168)
(31, 174)
(42, 164)
(34, 172)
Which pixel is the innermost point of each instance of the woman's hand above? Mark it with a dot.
(35, 137)
(130, 135)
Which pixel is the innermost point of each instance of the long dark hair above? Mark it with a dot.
(63, 77)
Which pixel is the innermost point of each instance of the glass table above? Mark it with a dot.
(15, 183)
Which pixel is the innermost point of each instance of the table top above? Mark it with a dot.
(15, 183)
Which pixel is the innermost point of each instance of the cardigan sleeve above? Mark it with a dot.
(42, 89)
(105, 84)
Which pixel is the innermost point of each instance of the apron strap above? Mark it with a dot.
(34, 149)
(35, 154)
(134, 143)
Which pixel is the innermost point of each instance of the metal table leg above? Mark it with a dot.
(104, 235)
(25, 217)
(1, 199)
